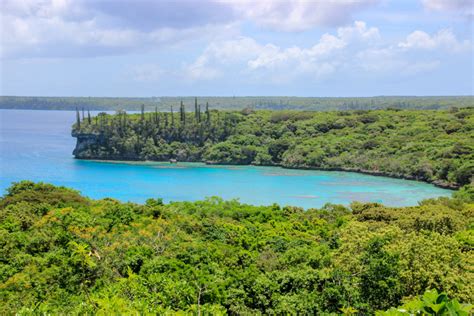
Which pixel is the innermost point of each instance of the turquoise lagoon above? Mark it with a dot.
(37, 145)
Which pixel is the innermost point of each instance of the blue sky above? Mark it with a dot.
(176, 48)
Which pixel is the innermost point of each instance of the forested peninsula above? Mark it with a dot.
(435, 146)
(64, 254)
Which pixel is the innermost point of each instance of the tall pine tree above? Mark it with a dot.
(182, 114)
(172, 118)
(196, 109)
(208, 114)
(78, 119)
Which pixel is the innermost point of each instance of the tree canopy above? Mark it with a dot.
(433, 146)
(62, 253)
(238, 103)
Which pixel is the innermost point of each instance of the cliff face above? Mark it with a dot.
(87, 145)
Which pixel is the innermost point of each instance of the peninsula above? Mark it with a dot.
(435, 146)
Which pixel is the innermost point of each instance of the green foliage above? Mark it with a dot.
(465, 194)
(431, 303)
(246, 104)
(405, 144)
(61, 253)
(380, 282)
(37, 193)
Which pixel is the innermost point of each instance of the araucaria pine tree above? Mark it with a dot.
(182, 114)
(196, 109)
(172, 118)
(78, 119)
(208, 114)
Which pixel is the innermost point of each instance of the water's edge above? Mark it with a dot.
(37, 145)
(436, 183)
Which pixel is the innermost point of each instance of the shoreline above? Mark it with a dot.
(439, 184)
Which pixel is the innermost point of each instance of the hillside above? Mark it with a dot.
(62, 253)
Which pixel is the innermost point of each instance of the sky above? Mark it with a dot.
(144, 48)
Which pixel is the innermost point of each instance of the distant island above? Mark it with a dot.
(431, 146)
(238, 103)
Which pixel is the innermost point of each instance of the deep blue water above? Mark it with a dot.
(37, 145)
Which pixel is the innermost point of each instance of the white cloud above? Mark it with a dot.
(356, 48)
(271, 60)
(273, 57)
(205, 67)
(72, 28)
(299, 15)
(55, 37)
(444, 39)
(254, 58)
(84, 28)
(406, 57)
(358, 31)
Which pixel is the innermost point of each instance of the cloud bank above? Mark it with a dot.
(355, 48)
(213, 45)
(72, 28)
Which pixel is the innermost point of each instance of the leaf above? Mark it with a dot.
(430, 296)
(437, 307)
(442, 297)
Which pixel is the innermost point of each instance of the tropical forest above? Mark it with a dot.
(427, 145)
(63, 253)
(236, 157)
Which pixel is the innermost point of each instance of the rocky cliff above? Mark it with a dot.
(87, 144)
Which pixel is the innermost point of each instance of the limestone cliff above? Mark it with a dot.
(87, 145)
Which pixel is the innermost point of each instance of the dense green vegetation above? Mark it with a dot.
(429, 145)
(431, 303)
(238, 103)
(62, 253)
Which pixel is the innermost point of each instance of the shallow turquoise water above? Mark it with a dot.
(37, 145)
